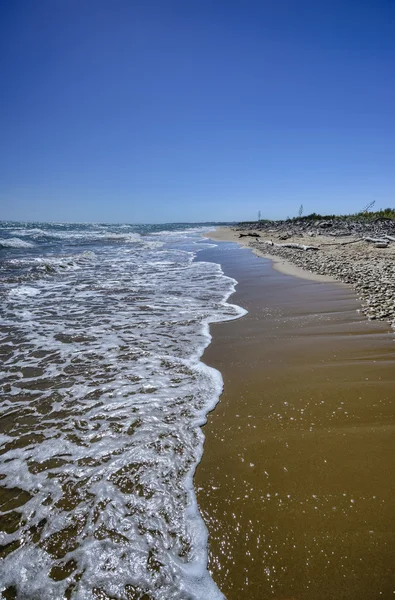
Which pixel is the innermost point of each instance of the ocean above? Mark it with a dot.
(104, 396)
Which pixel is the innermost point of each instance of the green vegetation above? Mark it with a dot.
(385, 213)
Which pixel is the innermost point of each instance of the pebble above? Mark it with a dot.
(372, 277)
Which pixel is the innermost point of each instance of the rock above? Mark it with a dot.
(372, 274)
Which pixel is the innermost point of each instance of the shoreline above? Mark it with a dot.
(282, 265)
(295, 484)
(369, 270)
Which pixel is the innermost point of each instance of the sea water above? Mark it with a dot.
(103, 397)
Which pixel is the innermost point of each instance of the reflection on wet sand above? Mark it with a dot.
(296, 484)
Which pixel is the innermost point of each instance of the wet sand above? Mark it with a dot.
(297, 480)
(280, 264)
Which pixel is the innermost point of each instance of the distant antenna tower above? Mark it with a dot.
(300, 210)
(369, 206)
(259, 215)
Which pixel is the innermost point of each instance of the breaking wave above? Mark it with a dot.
(105, 394)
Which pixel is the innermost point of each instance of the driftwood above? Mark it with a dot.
(383, 241)
(290, 245)
(255, 235)
(343, 243)
(376, 240)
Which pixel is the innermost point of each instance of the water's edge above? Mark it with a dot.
(105, 396)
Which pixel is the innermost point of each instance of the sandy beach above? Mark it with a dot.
(228, 234)
(351, 259)
(296, 484)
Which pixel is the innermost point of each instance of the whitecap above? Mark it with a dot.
(15, 243)
(24, 290)
(33, 232)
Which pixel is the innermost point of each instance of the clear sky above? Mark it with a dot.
(194, 110)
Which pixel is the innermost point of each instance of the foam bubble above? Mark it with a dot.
(31, 232)
(24, 290)
(15, 243)
(106, 396)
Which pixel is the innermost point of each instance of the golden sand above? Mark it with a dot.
(297, 480)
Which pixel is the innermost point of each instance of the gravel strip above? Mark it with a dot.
(369, 269)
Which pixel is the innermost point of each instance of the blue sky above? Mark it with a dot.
(194, 110)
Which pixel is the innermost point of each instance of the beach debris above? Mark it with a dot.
(376, 241)
(359, 252)
(357, 226)
(342, 243)
(325, 224)
(291, 245)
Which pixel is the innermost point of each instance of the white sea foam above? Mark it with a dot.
(31, 232)
(96, 235)
(105, 378)
(77, 235)
(24, 290)
(15, 243)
